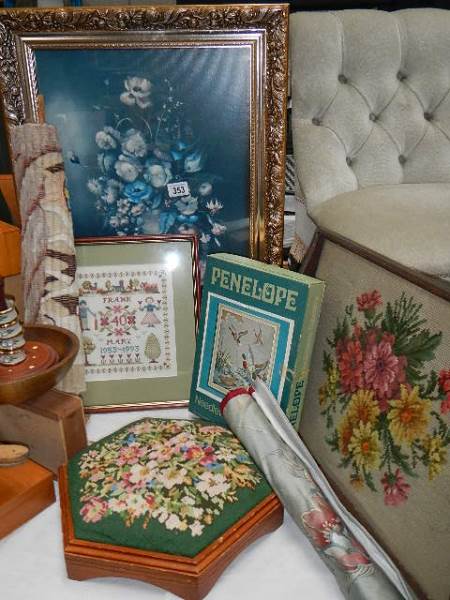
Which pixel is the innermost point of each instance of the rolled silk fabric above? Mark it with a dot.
(361, 567)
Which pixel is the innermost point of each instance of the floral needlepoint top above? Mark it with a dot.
(158, 478)
(384, 412)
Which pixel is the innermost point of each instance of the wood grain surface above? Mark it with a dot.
(52, 425)
(25, 490)
(25, 387)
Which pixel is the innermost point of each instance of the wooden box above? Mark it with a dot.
(52, 425)
(8, 190)
(25, 490)
(9, 250)
(189, 578)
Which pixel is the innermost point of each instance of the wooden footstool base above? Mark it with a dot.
(189, 578)
(167, 501)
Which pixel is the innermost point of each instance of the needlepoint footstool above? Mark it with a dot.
(169, 502)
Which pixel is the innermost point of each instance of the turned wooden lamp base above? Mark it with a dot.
(189, 578)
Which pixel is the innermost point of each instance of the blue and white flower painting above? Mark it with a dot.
(134, 123)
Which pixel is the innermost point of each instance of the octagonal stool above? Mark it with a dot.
(170, 502)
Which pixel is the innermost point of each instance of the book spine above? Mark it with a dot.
(304, 351)
(199, 403)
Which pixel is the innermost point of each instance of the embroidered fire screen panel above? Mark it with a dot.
(376, 416)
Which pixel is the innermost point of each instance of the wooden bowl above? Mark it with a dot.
(31, 385)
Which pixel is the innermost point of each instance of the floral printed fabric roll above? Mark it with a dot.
(362, 569)
(48, 251)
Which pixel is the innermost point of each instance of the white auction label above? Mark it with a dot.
(179, 188)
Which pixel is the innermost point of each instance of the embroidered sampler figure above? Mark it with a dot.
(84, 312)
(150, 319)
(119, 346)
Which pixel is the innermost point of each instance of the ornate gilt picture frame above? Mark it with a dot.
(171, 118)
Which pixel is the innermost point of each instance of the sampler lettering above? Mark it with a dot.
(127, 322)
(269, 293)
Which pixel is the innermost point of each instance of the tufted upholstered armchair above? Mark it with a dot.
(371, 129)
(371, 136)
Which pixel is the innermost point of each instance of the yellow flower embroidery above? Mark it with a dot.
(409, 415)
(365, 447)
(363, 408)
(436, 454)
(333, 375)
(328, 390)
(323, 394)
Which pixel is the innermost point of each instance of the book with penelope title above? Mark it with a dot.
(257, 320)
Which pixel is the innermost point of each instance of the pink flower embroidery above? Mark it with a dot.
(97, 474)
(160, 471)
(208, 456)
(357, 331)
(129, 455)
(444, 385)
(444, 380)
(445, 405)
(369, 300)
(150, 500)
(193, 452)
(162, 453)
(372, 336)
(389, 338)
(383, 371)
(395, 488)
(351, 366)
(94, 510)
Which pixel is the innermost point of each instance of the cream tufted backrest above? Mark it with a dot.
(370, 99)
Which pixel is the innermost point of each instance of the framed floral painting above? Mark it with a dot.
(138, 308)
(171, 119)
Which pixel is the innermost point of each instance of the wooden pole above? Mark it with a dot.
(41, 109)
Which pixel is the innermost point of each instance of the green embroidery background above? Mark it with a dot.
(156, 537)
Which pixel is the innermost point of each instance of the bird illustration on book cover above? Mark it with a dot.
(244, 350)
